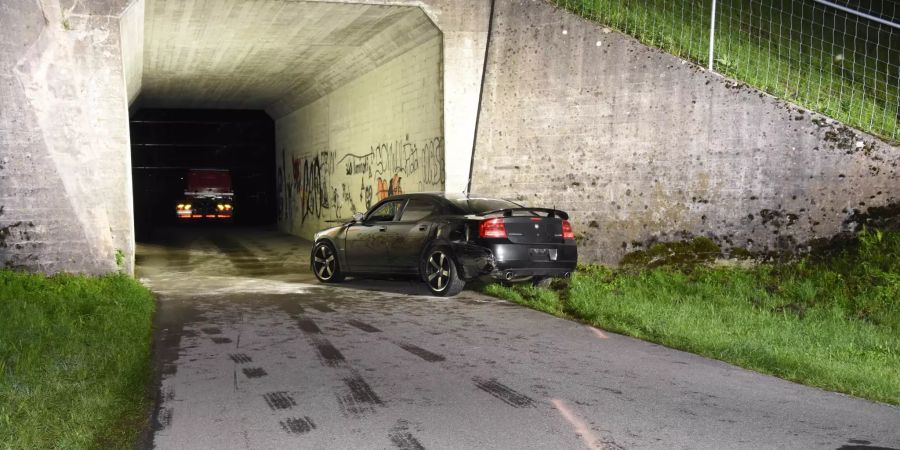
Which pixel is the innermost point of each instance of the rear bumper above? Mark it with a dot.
(505, 261)
(207, 214)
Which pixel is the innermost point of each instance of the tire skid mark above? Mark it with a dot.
(359, 399)
(240, 358)
(422, 353)
(402, 438)
(363, 326)
(221, 340)
(298, 425)
(308, 326)
(212, 330)
(328, 354)
(323, 308)
(279, 400)
(254, 372)
(503, 392)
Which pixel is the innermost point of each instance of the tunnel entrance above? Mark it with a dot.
(315, 109)
(169, 145)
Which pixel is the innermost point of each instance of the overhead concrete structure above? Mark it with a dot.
(283, 55)
(272, 55)
(71, 70)
(372, 97)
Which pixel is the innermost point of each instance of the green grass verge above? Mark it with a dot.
(821, 58)
(74, 360)
(828, 322)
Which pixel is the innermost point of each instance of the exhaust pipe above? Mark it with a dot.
(567, 275)
(509, 276)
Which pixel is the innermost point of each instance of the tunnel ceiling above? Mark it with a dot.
(272, 55)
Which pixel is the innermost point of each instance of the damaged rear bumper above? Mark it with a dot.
(511, 261)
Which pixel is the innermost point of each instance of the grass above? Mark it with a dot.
(815, 56)
(831, 321)
(74, 360)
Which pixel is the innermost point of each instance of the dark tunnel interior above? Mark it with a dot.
(167, 145)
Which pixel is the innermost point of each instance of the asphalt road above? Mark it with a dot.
(253, 353)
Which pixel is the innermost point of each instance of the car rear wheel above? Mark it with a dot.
(325, 264)
(440, 274)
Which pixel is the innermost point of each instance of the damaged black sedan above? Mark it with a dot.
(448, 240)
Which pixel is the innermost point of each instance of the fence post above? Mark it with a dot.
(712, 36)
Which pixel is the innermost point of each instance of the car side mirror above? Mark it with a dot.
(359, 217)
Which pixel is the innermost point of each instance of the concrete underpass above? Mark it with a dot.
(355, 94)
(319, 109)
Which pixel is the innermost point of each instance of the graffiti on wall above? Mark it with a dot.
(387, 188)
(321, 186)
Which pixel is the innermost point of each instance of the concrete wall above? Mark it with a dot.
(640, 146)
(65, 186)
(132, 26)
(464, 25)
(377, 135)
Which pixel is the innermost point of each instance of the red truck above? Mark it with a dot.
(207, 195)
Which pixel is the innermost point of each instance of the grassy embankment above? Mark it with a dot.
(827, 321)
(818, 57)
(74, 360)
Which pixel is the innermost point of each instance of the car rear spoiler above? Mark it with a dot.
(508, 212)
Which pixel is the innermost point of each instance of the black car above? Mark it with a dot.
(448, 240)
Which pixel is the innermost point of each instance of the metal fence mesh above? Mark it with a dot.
(837, 57)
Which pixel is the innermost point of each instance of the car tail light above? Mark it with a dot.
(567, 230)
(492, 228)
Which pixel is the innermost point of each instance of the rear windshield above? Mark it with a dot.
(483, 205)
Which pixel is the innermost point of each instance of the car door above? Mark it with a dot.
(414, 226)
(369, 244)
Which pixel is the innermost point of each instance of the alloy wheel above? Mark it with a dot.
(324, 262)
(437, 271)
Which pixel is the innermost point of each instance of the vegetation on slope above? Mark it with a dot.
(74, 360)
(831, 320)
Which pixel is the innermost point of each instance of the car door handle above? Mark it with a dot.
(423, 227)
(382, 228)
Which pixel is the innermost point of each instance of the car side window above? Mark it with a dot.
(385, 212)
(417, 210)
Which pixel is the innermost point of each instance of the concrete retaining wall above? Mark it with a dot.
(641, 146)
(378, 135)
(65, 179)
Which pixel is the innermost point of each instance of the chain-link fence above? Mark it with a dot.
(837, 57)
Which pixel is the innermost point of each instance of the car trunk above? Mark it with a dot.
(534, 230)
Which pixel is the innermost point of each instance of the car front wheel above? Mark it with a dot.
(325, 264)
(440, 274)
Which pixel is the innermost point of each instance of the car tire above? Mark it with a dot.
(440, 274)
(325, 264)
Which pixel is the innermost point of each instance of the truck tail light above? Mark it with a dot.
(492, 228)
(567, 230)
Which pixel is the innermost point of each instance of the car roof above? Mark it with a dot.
(457, 201)
(446, 195)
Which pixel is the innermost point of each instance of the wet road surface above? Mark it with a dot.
(253, 353)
